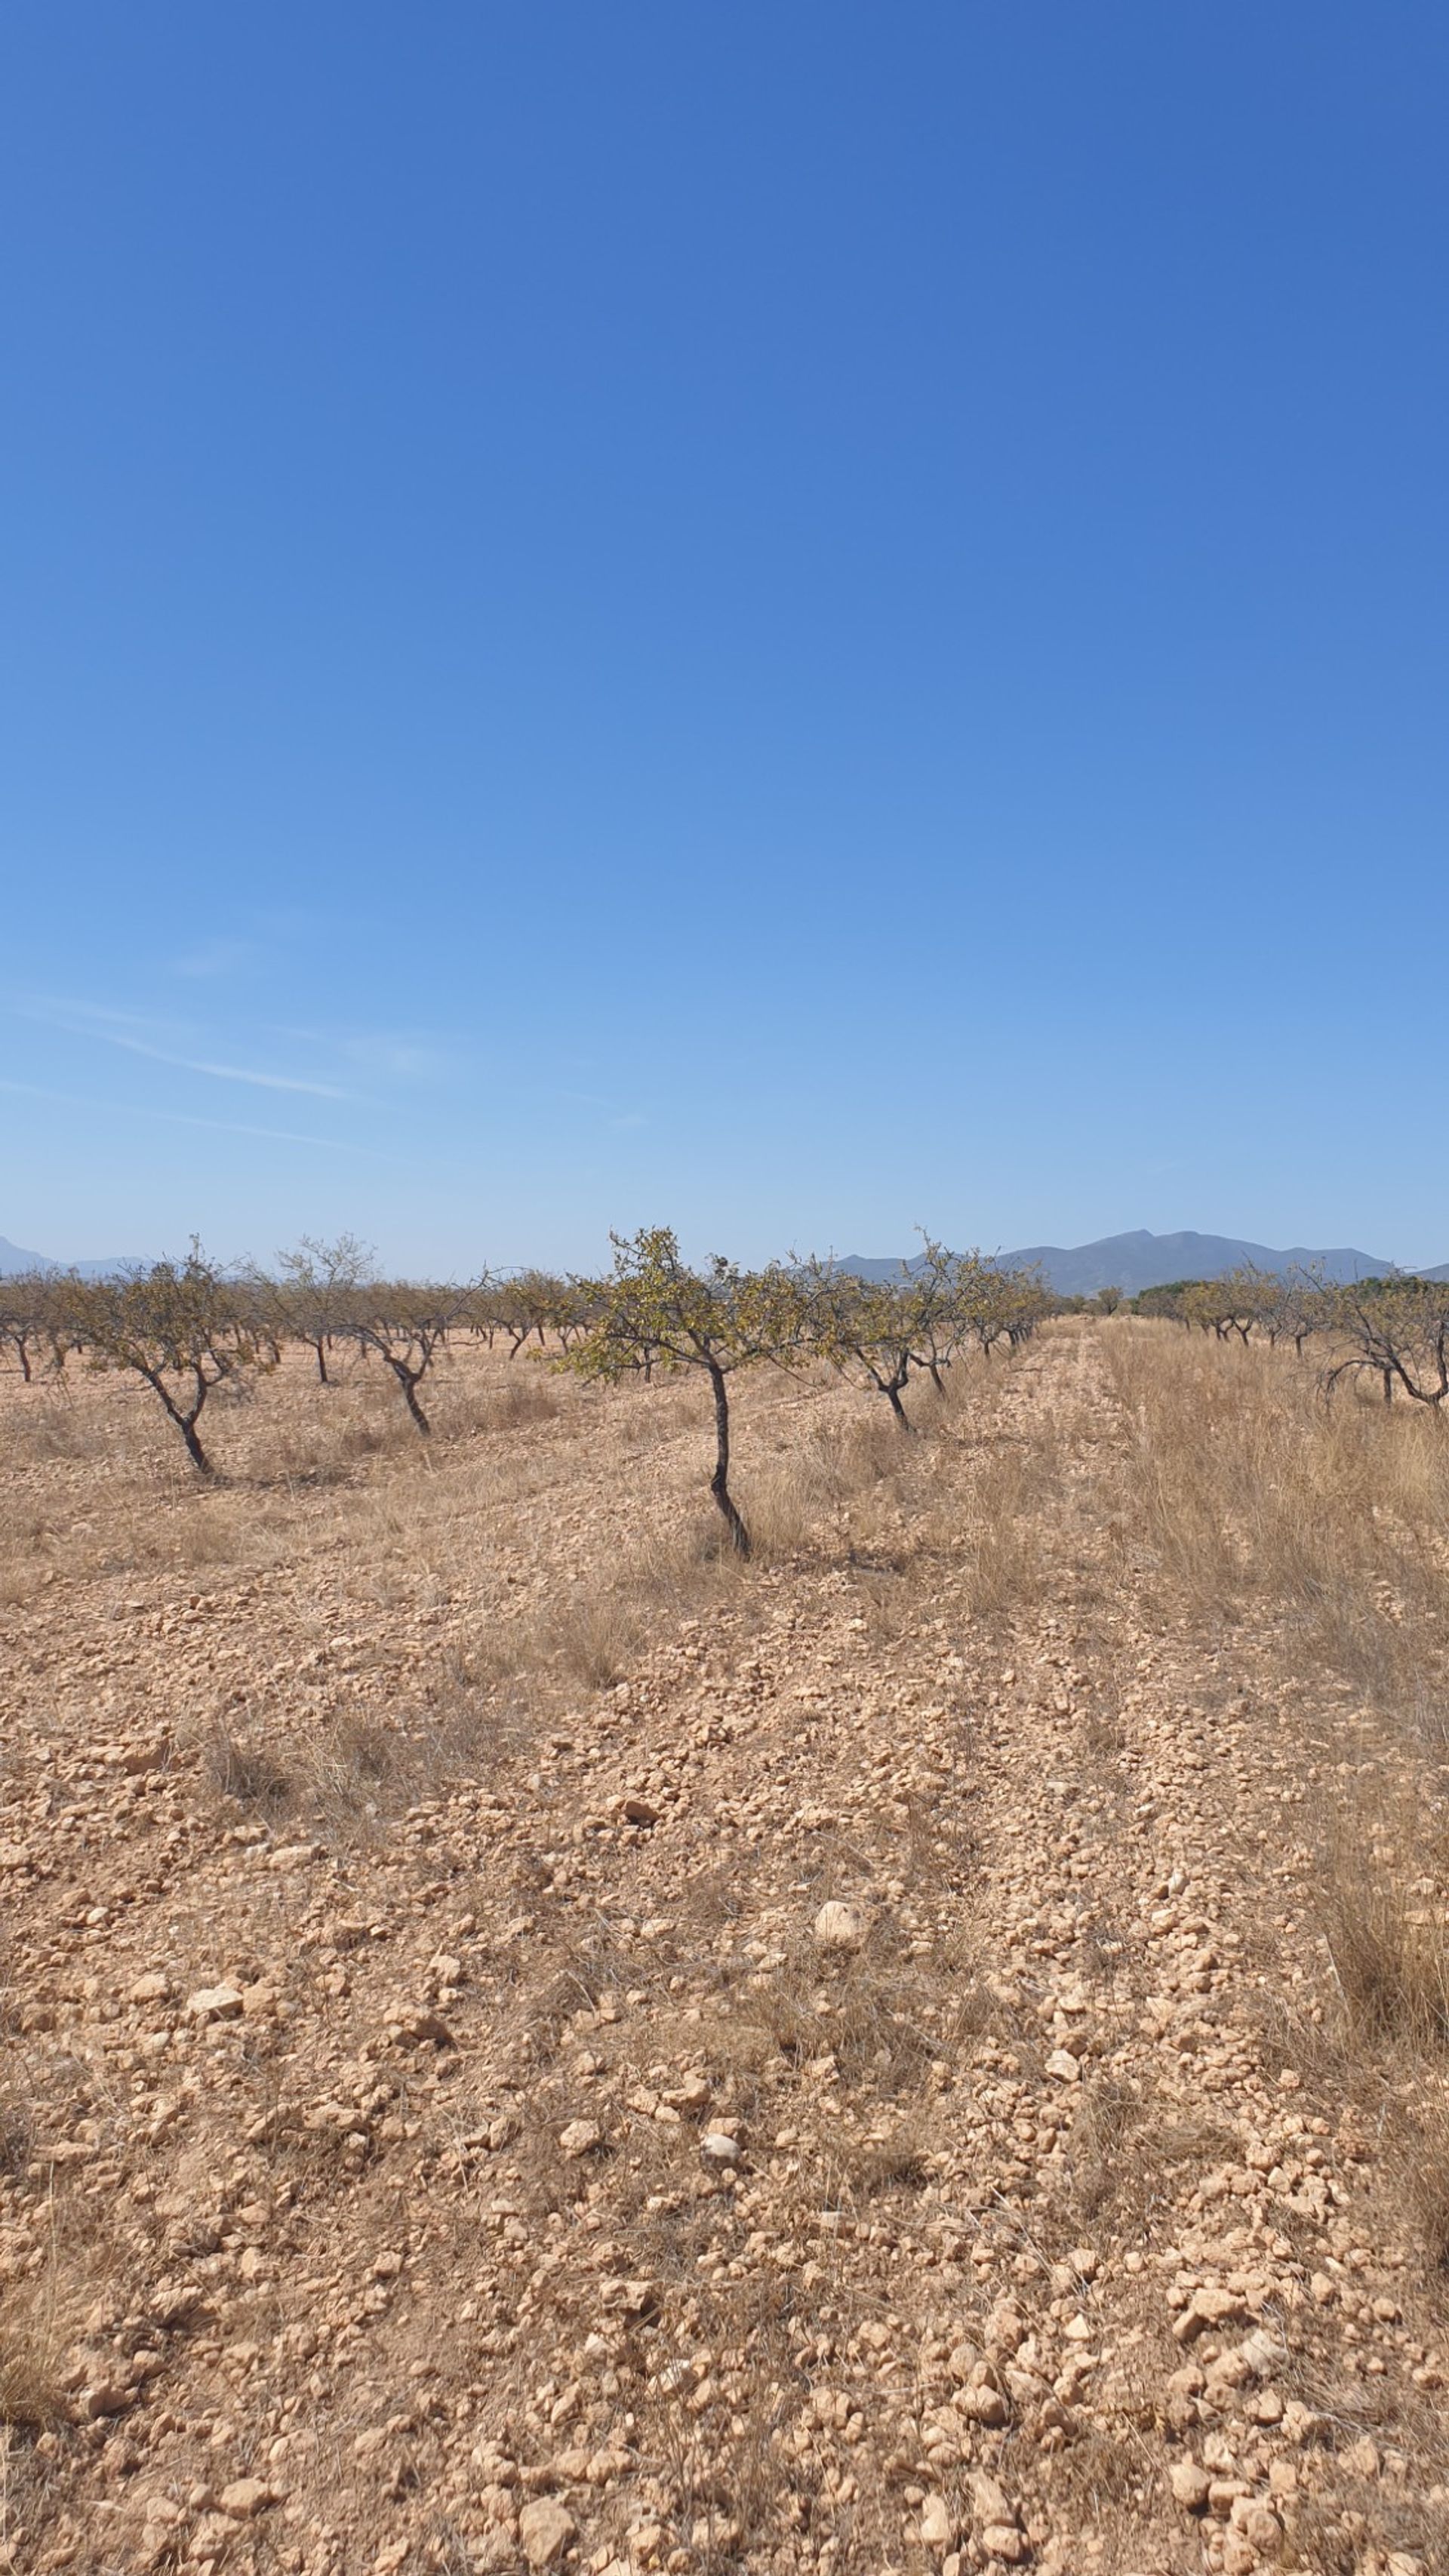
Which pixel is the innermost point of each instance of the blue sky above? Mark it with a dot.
(796, 620)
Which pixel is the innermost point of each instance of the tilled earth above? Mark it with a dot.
(858, 2094)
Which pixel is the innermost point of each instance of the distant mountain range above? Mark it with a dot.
(1136, 1261)
(1130, 1262)
(13, 1260)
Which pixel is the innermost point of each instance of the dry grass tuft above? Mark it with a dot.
(1389, 1950)
(1423, 2140)
(17, 2132)
(30, 2400)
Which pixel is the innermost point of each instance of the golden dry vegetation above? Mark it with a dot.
(529, 2043)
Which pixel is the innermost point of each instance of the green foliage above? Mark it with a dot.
(179, 1326)
(881, 1332)
(654, 1313)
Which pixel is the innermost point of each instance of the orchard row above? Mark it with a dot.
(185, 1327)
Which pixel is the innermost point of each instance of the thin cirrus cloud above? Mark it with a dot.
(185, 1118)
(236, 1072)
(381, 1051)
(121, 1029)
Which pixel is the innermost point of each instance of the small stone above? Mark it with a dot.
(106, 2397)
(152, 1989)
(1262, 2529)
(1003, 2540)
(578, 2139)
(690, 2095)
(387, 2265)
(1189, 2485)
(1260, 2352)
(1063, 2067)
(637, 1811)
(937, 2530)
(989, 2499)
(720, 2149)
(214, 2003)
(544, 2532)
(984, 2406)
(423, 2025)
(245, 2497)
(1207, 2307)
(839, 1926)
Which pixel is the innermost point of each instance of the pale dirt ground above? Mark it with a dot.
(433, 2135)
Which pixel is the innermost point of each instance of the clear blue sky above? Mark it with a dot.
(795, 619)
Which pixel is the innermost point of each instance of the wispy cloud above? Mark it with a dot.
(183, 1118)
(122, 1028)
(231, 1072)
(377, 1051)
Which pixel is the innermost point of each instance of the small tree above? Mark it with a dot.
(179, 1327)
(531, 1302)
(407, 1328)
(1398, 1330)
(1293, 1306)
(868, 1329)
(30, 1319)
(315, 1296)
(652, 1312)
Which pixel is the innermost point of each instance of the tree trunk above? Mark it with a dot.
(409, 1384)
(322, 1375)
(719, 1483)
(194, 1449)
(903, 1419)
(185, 1422)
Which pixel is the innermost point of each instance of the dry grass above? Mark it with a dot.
(1387, 1940)
(1248, 1490)
(30, 2399)
(1327, 1526)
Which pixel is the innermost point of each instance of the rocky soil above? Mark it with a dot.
(861, 2092)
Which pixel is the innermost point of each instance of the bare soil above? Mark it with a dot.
(440, 2127)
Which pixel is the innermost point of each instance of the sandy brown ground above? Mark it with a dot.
(440, 2130)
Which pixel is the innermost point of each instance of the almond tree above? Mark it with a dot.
(1398, 1330)
(407, 1328)
(654, 1313)
(29, 1319)
(179, 1327)
(528, 1303)
(878, 1332)
(867, 1329)
(315, 1297)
